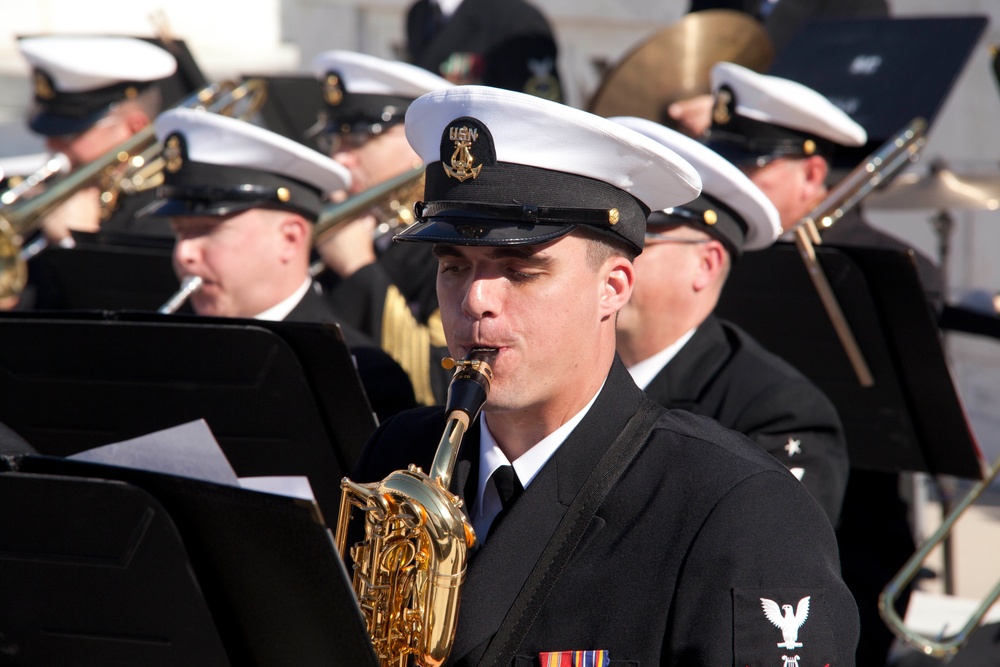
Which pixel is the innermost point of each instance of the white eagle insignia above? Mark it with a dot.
(789, 623)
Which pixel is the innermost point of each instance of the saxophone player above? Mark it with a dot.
(535, 212)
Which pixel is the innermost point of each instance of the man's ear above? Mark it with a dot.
(619, 279)
(816, 170)
(295, 233)
(711, 264)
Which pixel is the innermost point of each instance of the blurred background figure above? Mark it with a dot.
(502, 44)
(685, 357)
(91, 94)
(383, 289)
(782, 135)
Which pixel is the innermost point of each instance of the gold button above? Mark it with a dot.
(613, 216)
(284, 195)
(711, 217)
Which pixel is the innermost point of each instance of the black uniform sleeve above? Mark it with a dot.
(761, 583)
(798, 425)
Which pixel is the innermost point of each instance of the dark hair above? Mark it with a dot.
(602, 246)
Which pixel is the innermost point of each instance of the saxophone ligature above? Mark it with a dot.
(409, 568)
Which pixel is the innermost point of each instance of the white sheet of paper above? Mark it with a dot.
(188, 450)
(285, 485)
(936, 615)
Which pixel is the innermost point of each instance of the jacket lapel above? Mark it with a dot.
(682, 381)
(502, 565)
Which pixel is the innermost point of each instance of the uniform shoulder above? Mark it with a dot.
(753, 353)
(702, 443)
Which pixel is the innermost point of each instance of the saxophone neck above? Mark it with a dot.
(467, 393)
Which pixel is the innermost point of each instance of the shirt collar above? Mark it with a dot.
(527, 466)
(647, 369)
(280, 310)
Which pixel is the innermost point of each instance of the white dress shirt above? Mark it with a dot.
(526, 466)
(647, 369)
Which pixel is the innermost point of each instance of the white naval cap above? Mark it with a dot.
(216, 165)
(730, 208)
(77, 78)
(506, 168)
(757, 117)
(363, 92)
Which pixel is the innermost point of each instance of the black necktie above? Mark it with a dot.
(508, 487)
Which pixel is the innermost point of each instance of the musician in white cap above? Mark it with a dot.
(536, 212)
(242, 201)
(683, 356)
(781, 134)
(91, 94)
(382, 289)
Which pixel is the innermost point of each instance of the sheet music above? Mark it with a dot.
(190, 450)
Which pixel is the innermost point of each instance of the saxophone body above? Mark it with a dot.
(409, 568)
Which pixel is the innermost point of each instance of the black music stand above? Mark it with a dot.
(911, 419)
(108, 272)
(281, 398)
(883, 72)
(107, 566)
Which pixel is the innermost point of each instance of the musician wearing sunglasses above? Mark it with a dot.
(383, 289)
(684, 356)
(609, 530)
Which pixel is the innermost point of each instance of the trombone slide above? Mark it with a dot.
(945, 649)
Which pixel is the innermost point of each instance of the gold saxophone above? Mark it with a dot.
(409, 569)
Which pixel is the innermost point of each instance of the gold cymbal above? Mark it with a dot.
(942, 189)
(675, 63)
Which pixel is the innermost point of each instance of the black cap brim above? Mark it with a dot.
(475, 232)
(741, 157)
(52, 125)
(186, 208)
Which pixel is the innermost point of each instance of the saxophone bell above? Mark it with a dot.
(409, 568)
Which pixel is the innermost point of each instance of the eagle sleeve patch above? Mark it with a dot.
(782, 627)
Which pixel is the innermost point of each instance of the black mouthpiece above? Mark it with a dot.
(470, 385)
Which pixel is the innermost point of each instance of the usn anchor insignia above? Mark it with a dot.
(461, 159)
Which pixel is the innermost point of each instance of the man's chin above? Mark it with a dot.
(210, 308)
